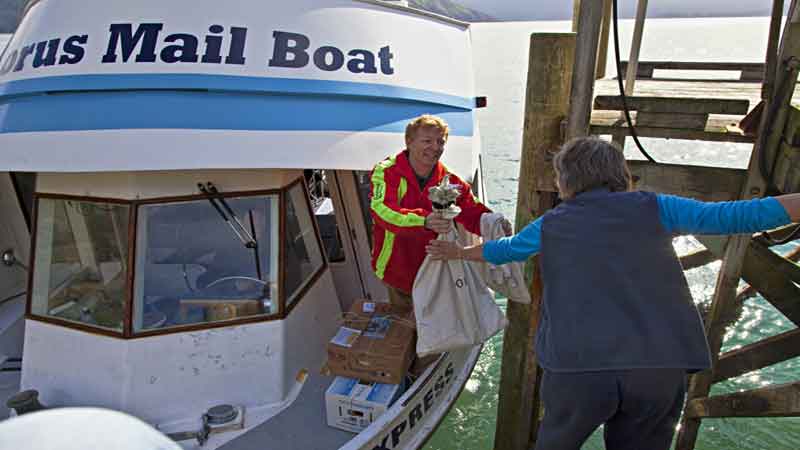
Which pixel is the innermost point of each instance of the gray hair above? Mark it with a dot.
(589, 163)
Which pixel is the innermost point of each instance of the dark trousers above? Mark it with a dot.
(640, 408)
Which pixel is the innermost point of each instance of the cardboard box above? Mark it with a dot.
(352, 405)
(376, 343)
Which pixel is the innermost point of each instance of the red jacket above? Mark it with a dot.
(399, 209)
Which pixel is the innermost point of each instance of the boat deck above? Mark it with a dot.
(302, 425)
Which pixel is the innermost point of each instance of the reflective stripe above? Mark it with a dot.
(379, 192)
(388, 238)
(476, 199)
(401, 190)
(386, 253)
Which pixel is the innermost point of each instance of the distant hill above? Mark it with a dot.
(9, 14)
(451, 9)
(520, 10)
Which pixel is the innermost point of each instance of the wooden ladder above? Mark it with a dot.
(770, 274)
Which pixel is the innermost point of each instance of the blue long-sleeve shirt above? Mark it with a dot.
(678, 215)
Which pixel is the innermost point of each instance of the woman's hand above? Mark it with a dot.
(443, 250)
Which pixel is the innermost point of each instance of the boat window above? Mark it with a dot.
(322, 204)
(363, 184)
(81, 256)
(302, 255)
(194, 267)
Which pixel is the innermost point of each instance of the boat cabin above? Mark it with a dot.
(186, 198)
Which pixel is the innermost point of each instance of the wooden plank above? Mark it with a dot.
(671, 120)
(748, 291)
(718, 129)
(697, 259)
(765, 271)
(546, 104)
(774, 401)
(708, 184)
(673, 104)
(582, 91)
(699, 65)
(758, 355)
(787, 167)
(702, 65)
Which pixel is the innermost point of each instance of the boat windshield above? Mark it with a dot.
(81, 253)
(194, 267)
(203, 260)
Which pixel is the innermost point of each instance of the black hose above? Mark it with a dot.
(622, 89)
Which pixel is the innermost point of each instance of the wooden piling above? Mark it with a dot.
(605, 31)
(772, 48)
(636, 46)
(589, 18)
(546, 106)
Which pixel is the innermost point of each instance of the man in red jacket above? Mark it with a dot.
(401, 210)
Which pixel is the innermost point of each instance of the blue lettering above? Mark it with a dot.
(26, 51)
(187, 51)
(365, 64)
(428, 400)
(382, 445)
(397, 432)
(213, 52)
(282, 50)
(386, 56)
(238, 39)
(122, 36)
(40, 59)
(415, 416)
(73, 50)
(321, 58)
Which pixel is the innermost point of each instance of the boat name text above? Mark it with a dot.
(143, 43)
(417, 414)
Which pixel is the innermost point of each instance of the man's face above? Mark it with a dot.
(426, 147)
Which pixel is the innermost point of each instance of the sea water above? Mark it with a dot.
(501, 58)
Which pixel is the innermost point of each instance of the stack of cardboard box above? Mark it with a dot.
(376, 343)
(371, 354)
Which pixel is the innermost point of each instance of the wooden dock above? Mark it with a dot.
(669, 109)
(719, 127)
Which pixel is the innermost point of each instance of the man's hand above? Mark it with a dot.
(436, 223)
(507, 227)
(443, 250)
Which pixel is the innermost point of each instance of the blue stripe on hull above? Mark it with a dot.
(110, 110)
(226, 83)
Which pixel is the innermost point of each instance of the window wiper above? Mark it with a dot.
(214, 196)
(255, 249)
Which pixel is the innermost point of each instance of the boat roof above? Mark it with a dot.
(110, 85)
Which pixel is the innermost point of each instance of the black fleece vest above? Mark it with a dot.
(615, 296)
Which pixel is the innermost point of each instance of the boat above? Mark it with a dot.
(184, 208)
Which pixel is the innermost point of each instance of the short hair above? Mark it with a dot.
(426, 120)
(589, 163)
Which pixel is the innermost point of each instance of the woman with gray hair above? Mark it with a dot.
(619, 330)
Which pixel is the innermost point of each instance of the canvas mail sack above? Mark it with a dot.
(453, 306)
